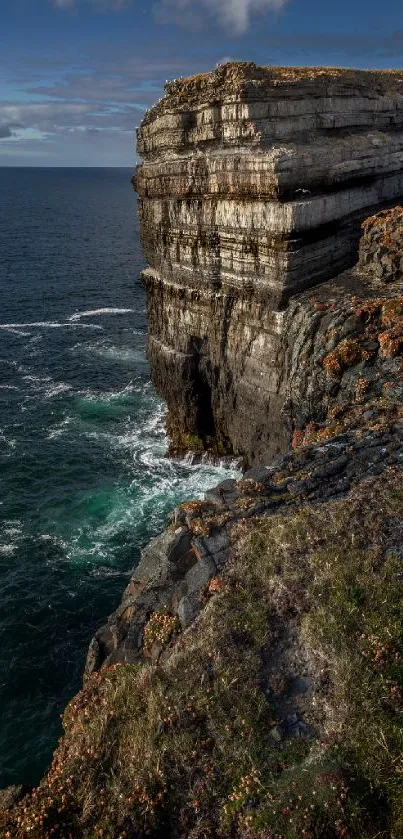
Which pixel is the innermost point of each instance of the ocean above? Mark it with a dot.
(84, 480)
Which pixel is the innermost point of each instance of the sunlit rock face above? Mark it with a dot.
(253, 187)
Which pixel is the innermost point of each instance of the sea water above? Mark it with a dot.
(84, 477)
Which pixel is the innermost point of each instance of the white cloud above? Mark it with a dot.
(41, 115)
(232, 14)
(55, 120)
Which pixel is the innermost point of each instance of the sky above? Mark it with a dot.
(77, 75)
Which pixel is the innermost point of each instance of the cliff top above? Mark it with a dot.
(244, 76)
(237, 72)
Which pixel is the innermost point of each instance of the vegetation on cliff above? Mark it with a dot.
(235, 75)
(219, 740)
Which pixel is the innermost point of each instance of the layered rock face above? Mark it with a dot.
(342, 361)
(253, 187)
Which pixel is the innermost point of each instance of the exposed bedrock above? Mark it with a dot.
(341, 358)
(253, 188)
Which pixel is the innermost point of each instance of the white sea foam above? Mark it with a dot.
(9, 387)
(104, 571)
(7, 550)
(15, 525)
(95, 312)
(60, 428)
(102, 520)
(109, 395)
(155, 424)
(11, 534)
(147, 500)
(56, 389)
(125, 355)
(40, 324)
(46, 386)
(12, 531)
(29, 377)
(122, 354)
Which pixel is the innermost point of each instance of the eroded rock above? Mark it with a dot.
(253, 186)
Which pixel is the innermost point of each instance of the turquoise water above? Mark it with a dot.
(84, 481)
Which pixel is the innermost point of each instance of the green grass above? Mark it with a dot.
(183, 748)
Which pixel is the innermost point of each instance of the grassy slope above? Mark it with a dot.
(186, 748)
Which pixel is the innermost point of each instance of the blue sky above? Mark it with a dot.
(76, 75)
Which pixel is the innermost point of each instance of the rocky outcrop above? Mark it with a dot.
(341, 363)
(253, 187)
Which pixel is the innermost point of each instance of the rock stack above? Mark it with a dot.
(253, 188)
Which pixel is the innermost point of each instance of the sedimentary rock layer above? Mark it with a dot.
(342, 383)
(253, 187)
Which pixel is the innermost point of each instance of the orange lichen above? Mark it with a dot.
(346, 354)
(215, 585)
(361, 389)
(247, 485)
(298, 438)
(391, 342)
(384, 217)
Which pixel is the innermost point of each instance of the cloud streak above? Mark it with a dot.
(233, 15)
(56, 118)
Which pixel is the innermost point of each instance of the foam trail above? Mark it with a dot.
(109, 395)
(47, 386)
(94, 312)
(122, 354)
(47, 325)
(59, 429)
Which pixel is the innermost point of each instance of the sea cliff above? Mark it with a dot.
(253, 186)
(250, 684)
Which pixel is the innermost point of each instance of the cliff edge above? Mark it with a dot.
(250, 684)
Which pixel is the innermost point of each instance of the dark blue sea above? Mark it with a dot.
(84, 481)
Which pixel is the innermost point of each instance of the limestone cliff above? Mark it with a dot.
(253, 186)
(250, 684)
